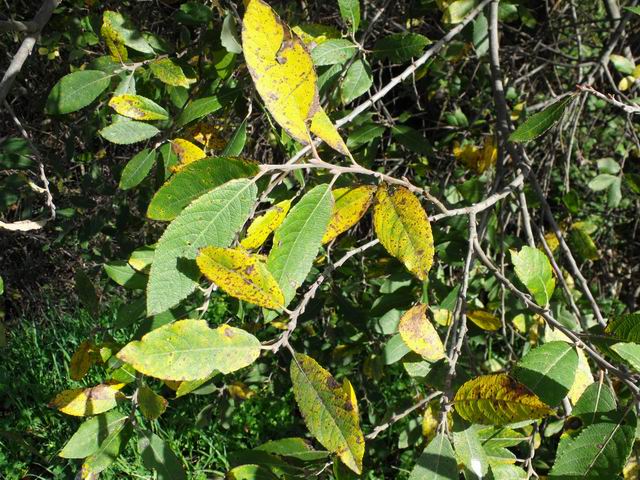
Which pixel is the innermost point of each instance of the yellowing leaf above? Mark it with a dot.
(442, 316)
(186, 151)
(430, 422)
(208, 135)
(403, 228)
(86, 355)
(261, 227)
(190, 350)
(497, 400)
(284, 76)
(88, 401)
(241, 275)
(328, 410)
(114, 40)
(351, 393)
(151, 404)
(419, 335)
(583, 377)
(137, 107)
(240, 391)
(485, 320)
(476, 158)
(350, 205)
(168, 72)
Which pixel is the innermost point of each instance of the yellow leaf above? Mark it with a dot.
(430, 422)
(552, 241)
(284, 76)
(626, 83)
(419, 335)
(498, 400)
(485, 320)
(351, 394)
(241, 275)
(137, 107)
(350, 205)
(240, 391)
(86, 355)
(261, 227)
(403, 228)
(88, 401)
(516, 113)
(172, 384)
(186, 151)
(476, 158)
(170, 73)
(442, 316)
(208, 135)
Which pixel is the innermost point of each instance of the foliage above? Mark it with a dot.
(395, 260)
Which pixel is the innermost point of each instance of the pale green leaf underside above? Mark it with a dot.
(92, 433)
(534, 271)
(437, 461)
(213, 219)
(297, 241)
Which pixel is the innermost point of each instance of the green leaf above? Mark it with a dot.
(251, 472)
(87, 292)
(600, 450)
(194, 180)
(470, 453)
(138, 107)
(92, 433)
(630, 352)
(622, 64)
(400, 47)
(596, 401)
(293, 447)
(437, 462)
(123, 274)
(76, 90)
(136, 169)
(412, 139)
(356, 82)
(602, 182)
(548, 371)
(481, 34)
(537, 124)
(109, 449)
(534, 271)
(635, 10)
(332, 51)
(582, 243)
(297, 241)
(198, 109)
(395, 349)
(229, 37)
(170, 73)
(190, 350)
(157, 455)
(328, 410)
(125, 132)
(456, 11)
(350, 13)
(212, 219)
(237, 141)
(625, 328)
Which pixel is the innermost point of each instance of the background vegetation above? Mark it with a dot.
(422, 92)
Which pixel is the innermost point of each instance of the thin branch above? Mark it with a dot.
(399, 416)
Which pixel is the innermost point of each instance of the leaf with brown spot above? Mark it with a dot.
(498, 400)
(283, 73)
(138, 107)
(350, 205)
(186, 151)
(264, 225)
(190, 350)
(329, 409)
(241, 275)
(403, 228)
(420, 335)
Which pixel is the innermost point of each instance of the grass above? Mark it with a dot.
(35, 368)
